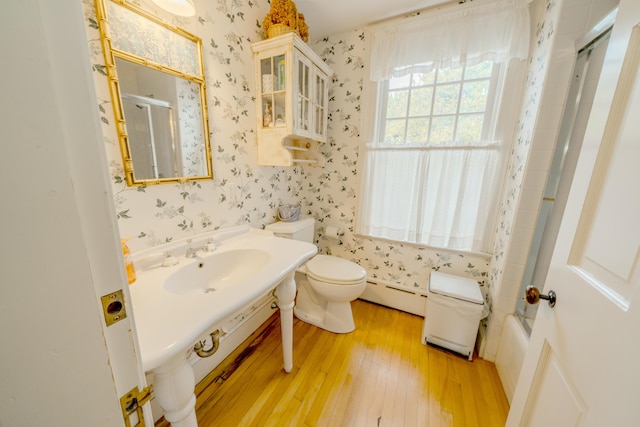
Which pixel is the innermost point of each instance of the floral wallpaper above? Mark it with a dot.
(243, 192)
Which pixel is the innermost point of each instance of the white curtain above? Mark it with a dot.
(464, 34)
(436, 197)
(445, 196)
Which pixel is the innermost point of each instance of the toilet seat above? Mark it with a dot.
(335, 270)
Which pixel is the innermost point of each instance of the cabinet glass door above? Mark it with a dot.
(303, 94)
(320, 102)
(273, 90)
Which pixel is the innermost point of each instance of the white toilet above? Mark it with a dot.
(326, 284)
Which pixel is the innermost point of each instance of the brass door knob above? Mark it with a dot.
(533, 295)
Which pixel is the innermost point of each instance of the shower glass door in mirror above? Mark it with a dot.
(157, 83)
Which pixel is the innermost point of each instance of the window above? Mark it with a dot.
(448, 86)
(433, 170)
(437, 107)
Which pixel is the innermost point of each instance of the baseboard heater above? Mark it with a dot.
(396, 296)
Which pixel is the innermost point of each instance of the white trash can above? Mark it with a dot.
(455, 307)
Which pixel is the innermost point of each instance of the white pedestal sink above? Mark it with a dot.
(174, 306)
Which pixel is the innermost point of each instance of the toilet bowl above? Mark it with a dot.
(326, 284)
(325, 294)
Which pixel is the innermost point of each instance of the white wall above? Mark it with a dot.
(510, 356)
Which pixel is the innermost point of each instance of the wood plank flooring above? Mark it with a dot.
(380, 375)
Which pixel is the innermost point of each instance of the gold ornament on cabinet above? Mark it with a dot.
(283, 17)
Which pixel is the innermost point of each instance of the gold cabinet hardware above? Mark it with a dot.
(132, 403)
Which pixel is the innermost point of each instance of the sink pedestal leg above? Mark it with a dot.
(174, 387)
(286, 293)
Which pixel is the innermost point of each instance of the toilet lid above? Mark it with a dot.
(332, 269)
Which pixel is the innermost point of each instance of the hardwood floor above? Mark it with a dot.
(378, 375)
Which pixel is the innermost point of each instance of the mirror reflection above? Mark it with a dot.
(163, 119)
(158, 91)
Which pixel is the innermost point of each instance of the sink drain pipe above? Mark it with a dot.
(215, 343)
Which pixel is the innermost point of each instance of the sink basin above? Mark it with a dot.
(216, 271)
(175, 305)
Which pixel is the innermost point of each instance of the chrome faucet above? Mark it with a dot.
(193, 252)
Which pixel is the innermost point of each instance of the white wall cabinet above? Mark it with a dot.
(292, 101)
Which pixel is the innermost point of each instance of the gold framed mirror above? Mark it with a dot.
(157, 83)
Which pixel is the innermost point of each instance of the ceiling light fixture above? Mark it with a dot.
(177, 7)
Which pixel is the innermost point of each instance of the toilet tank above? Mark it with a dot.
(297, 230)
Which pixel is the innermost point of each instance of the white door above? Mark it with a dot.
(582, 366)
(60, 364)
(98, 236)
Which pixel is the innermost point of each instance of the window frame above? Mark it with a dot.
(490, 112)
